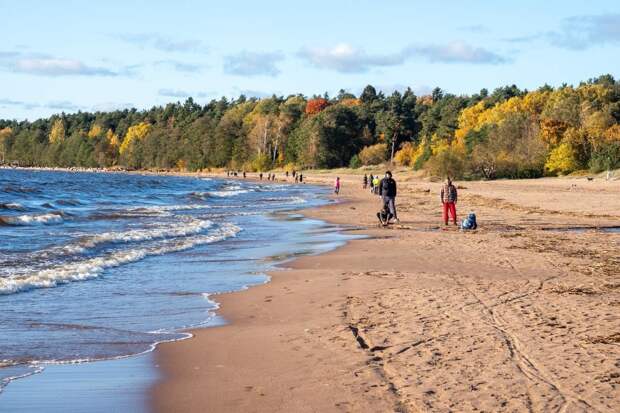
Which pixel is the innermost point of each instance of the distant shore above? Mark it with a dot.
(422, 317)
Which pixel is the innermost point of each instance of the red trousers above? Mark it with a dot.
(451, 208)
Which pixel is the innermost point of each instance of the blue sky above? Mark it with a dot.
(82, 55)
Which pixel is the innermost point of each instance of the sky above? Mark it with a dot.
(64, 56)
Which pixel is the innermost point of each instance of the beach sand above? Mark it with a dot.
(418, 317)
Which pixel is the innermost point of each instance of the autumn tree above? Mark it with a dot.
(57, 133)
(316, 105)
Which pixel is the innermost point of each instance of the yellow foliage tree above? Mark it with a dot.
(419, 153)
(468, 121)
(4, 134)
(406, 155)
(373, 155)
(95, 131)
(57, 134)
(561, 160)
(349, 102)
(612, 134)
(112, 138)
(534, 102)
(135, 132)
(438, 145)
(182, 165)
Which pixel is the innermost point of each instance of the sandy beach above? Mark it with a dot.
(520, 315)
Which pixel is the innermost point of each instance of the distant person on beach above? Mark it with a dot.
(365, 181)
(294, 173)
(301, 178)
(296, 178)
(387, 188)
(375, 185)
(287, 174)
(337, 185)
(243, 174)
(260, 176)
(371, 181)
(449, 197)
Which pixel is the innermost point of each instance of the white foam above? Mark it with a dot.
(191, 227)
(33, 219)
(12, 205)
(228, 193)
(94, 267)
(167, 208)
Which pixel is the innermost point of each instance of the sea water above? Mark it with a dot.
(99, 266)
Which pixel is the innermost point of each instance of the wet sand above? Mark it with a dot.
(521, 315)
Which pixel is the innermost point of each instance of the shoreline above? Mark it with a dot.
(107, 361)
(320, 325)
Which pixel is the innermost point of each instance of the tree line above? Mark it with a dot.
(509, 133)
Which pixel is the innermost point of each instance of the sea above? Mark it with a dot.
(104, 266)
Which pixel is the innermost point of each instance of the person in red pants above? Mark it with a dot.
(449, 197)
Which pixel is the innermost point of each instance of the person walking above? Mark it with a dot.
(387, 188)
(337, 185)
(375, 185)
(371, 182)
(449, 196)
(365, 181)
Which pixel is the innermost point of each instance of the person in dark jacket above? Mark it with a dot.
(387, 190)
(365, 181)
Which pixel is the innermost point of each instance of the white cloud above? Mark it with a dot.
(345, 58)
(582, 32)
(173, 93)
(45, 65)
(253, 63)
(164, 44)
(58, 67)
(456, 52)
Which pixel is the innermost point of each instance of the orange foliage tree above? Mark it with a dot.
(314, 106)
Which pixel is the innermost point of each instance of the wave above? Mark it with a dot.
(176, 230)
(68, 202)
(20, 189)
(144, 211)
(93, 267)
(41, 219)
(228, 193)
(285, 200)
(225, 192)
(12, 206)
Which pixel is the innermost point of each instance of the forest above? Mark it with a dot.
(506, 133)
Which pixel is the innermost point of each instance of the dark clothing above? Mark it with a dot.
(390, 204)
(387, 187)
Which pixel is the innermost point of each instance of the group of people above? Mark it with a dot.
(386, 188)
(299, 178)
